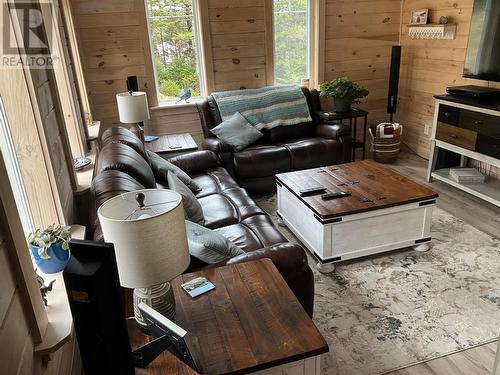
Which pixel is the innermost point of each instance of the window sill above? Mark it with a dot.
(60, 327)
(172, 104)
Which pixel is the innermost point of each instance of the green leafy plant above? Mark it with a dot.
(43, 239)
(343, 89)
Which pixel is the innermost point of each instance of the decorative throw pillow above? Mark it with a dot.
(161, 167)
(237, 132)
(209, 246)
(192, 208)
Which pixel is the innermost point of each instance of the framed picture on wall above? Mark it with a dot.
(419, 17)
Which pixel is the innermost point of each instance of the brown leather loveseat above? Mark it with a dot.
(123, 165)
(282, 149)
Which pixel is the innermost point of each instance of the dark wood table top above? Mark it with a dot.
(249, 322)
(167, 143)
(372, 187)
(332, 115)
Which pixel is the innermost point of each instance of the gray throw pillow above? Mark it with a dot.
(209, 246)
(192, 208)
(237, 132)
(161, 167)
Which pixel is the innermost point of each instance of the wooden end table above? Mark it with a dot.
(351, 116)
(385, 211)
(171, 145)
(250, 322)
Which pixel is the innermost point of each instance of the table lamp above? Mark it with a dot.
(133, 108)
(148, 231)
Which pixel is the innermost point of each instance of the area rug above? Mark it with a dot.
(396, 309)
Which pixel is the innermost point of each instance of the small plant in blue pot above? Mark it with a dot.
(50, 248)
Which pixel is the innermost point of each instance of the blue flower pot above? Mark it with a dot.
(58, 258)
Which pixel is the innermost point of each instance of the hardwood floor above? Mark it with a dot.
(480, 214)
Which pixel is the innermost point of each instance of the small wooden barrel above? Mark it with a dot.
(386, 150)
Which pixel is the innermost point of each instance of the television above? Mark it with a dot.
(482, 60)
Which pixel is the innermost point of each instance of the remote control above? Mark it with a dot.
(312, 191)
(340, 194)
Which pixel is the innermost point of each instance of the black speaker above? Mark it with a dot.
(392, 99)
(132, 84)
(93, 288)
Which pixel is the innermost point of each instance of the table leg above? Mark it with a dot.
(364, 136)
(354, 131)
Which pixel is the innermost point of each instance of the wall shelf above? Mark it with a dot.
(432, 31)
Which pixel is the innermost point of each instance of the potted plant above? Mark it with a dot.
(344, 92)
(50, 248)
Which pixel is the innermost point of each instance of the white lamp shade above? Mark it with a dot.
(150, 244)
(132, 108)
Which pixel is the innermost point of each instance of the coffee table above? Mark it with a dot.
(386, 211)
(250, 323)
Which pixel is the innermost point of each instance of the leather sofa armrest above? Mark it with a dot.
(216, 145)
(333, 131)
(195, 162)
(291, 262)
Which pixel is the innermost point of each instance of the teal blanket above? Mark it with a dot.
(265, 108)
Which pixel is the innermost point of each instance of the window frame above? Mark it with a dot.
(200, 53)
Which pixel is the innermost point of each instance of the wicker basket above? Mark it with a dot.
(386, 150)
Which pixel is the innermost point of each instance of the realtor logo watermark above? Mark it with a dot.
(27, 35)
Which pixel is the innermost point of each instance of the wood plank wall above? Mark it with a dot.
(16, 340)
(358, 39)
(113, 42)
(428, 67)
(242, 43)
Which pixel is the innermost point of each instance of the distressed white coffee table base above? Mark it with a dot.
(356, 235)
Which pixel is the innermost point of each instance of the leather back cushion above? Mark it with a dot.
(283, 133)
(122, 135)
(107, 185)
(120, 157)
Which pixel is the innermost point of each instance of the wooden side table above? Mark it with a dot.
(250, 322)
(351, 116)
(171, 145)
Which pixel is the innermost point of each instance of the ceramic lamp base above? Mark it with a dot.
(160, 297)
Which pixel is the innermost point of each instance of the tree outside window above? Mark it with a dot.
(291, 41)
(174, 47)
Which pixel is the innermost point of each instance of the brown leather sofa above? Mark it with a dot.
(282, 149)
(123, 165)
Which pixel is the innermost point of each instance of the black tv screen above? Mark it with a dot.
(483, 51)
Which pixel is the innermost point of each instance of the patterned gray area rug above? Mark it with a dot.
(393, 310)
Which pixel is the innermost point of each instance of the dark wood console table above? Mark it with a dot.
(250, 322)
(352, 117)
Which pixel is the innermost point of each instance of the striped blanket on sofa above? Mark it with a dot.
(265, 108)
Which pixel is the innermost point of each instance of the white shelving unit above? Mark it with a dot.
(490, 189)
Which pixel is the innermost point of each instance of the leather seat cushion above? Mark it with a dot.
(214, 181)
(252, 233)
(261, 161)
(228, 207)
(312, 152)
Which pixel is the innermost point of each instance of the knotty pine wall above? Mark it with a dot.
(16, 339)
(113, 44)
(358, 39)
(428, 67)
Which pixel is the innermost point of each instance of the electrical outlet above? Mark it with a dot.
(427, 128)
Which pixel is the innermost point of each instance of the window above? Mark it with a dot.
(175, 47)
(291, 41)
